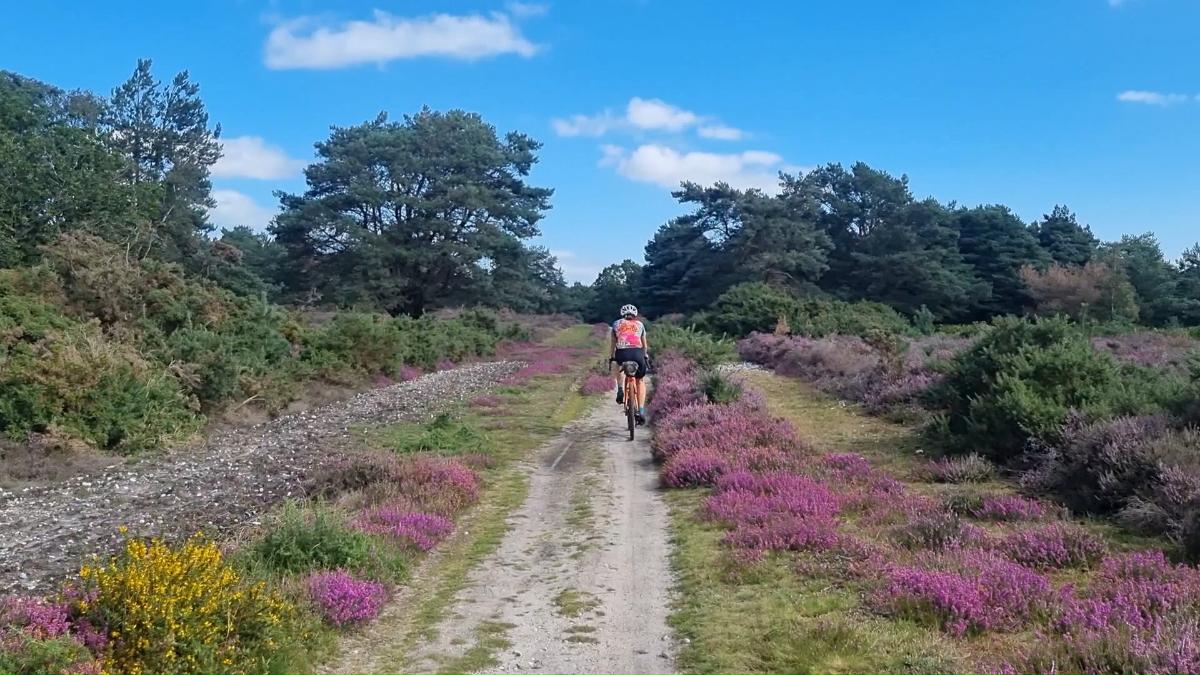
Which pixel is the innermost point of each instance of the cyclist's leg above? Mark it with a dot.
(619, 376)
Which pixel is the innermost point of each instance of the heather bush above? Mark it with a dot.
(1008, 508)
(344, 600)
(936, 531)
(675, 385)
(442, 486)
(421, 530)
(974, 592)
(596, 383)
(1052, 546)
(965, 469)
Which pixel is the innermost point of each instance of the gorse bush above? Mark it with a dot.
(761, 308)
(181, 609)
(751, 308)
(125, 353)
(1019, 381)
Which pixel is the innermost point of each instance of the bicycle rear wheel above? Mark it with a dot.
(630, 416)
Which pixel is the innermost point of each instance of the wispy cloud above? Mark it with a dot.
(253, 157)
(235, 208)
(642, 114)
(575, 269)
(307, 43)
(1152, 97)
(668, 167)
(523, 10)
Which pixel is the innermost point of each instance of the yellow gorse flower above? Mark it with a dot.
(179, 609)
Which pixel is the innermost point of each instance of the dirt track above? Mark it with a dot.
(581, 583)
(228, 482)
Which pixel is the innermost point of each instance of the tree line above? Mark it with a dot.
(859, 234)
(435, 209)
(403, 216)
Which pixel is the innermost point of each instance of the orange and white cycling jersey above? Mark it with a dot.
(629, 334)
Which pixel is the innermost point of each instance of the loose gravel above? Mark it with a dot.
(228, 482)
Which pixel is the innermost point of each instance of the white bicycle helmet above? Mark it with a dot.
(629, 310)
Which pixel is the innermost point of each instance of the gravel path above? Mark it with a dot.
(227, 482)
(582, 581)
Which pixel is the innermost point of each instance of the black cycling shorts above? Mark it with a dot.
(637, 355)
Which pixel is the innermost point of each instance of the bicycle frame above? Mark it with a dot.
(632, 391)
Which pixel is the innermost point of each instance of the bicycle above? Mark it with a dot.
(630, 369)
(632, 389)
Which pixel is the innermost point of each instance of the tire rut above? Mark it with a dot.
(582, 581)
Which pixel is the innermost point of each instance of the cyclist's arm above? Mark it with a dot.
(612, 339)
(645, 343)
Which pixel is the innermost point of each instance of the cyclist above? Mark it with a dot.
(629, 344)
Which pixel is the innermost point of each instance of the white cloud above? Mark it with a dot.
(668, 167)
(574, 269)
(522, 10)
(587, 125)
(643, 114)
(234, 208)
(721, 132)
(305, 43)
(657, 114)
(252, 157)
(1151, 97)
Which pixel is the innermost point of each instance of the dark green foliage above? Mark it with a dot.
(32, 656)
(752, 307)
(705, 349)
(616, 285)
(1064, 239)
(1154, 279)
(304, 540)
(997, 245)
(720, 389)
(412, 215)
(1022, 377)
(818, 318)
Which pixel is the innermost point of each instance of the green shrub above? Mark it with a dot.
(720, 389)
(444, 435)
(705, 349)
(819, 317)
(1022, 377)
(29, 656)
(751, 307)
(302, 540)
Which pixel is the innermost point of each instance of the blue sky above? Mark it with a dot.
(1029, 103)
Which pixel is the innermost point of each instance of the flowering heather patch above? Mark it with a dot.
(787, 533)
(540, 359)
(446, 364)
(731, 428)
(1145, 348)
(974, 592)
(675, 385)
(849, 466)
(34, 617)
(345, 600)
(748, 498)
(440, 485)
(1052, 546)
(408, 373)
(423, 530)
(596, 383)
(937, 531)
(694, 467)
(1009, 508)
